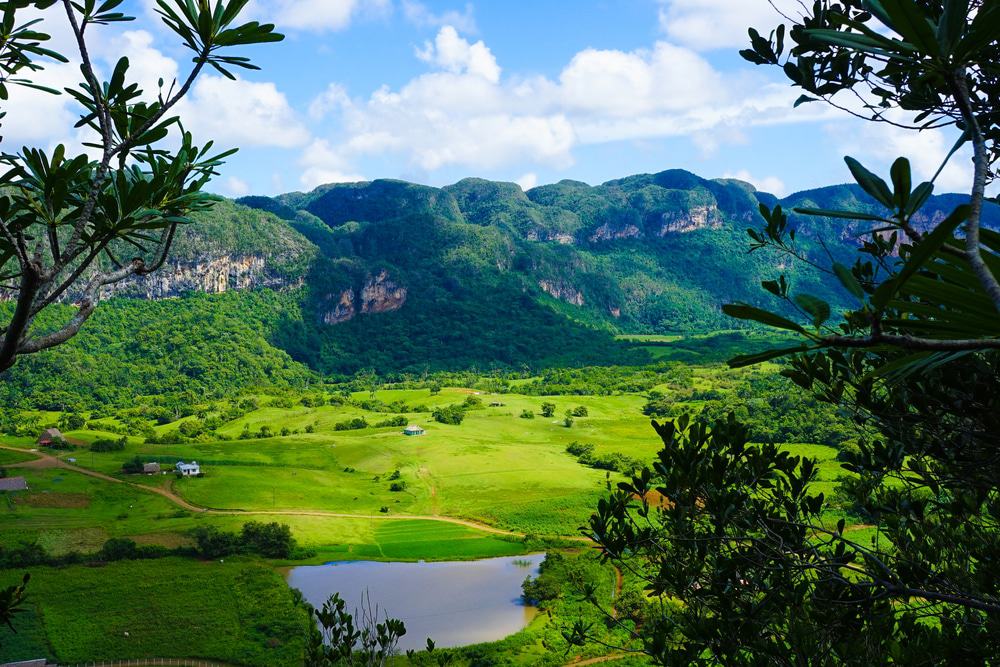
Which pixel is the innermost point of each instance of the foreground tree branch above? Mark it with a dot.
(81, 212)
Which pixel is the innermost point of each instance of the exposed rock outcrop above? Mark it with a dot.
(212, 275)
(562, 291)
(379, 294)
(610, 232)
(695, 218)
(382, 294)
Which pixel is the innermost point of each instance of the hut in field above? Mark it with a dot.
(51, 436)
(413, 429)
(188, 469)
(151, 468)
(13, 484)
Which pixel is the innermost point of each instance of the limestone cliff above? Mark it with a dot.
(380, 293)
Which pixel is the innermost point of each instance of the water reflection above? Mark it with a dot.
(453, 603)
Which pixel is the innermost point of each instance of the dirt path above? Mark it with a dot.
(44, 460)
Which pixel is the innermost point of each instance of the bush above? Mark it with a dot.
(548, 409)
(355, 424)
(451, 414)
(581, 450)
(133, 466)
(213, 543)
(119, 548)
(398, 486)
(399, 420)
(109, 445)
(273, 540)
(472, 402)
(581, 411)
(568, 420)
(527, 414)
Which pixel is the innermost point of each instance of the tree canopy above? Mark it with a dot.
(74, 224)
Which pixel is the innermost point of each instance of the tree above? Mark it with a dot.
(71, 225)
(548, 409)
(743, 536)
(369, 640)
(12, 601)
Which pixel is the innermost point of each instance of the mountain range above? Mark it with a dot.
(397, 276)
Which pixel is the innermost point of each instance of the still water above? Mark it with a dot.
(453, 603)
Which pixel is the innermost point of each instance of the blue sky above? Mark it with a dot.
(534, 92)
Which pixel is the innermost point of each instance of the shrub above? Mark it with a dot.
(472, 402)
(273, 540)
(548, 409)
(398, 486)
(527, 414)
(355, 424)
(399, 420)
(581, 450)
(119, 548)
(109, 445)
(451, 414)
(580, 411)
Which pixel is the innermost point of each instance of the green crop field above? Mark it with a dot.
(237, 612)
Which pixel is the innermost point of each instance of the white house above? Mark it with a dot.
(413, 429)
(188, 469)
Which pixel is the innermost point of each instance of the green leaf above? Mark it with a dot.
(870, 183)
(847, 279)
(848, 215)
(818, 309)
(901, 182)
(760, 357)
(743, 311)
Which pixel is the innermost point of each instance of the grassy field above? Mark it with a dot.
(237, 612)
(495, 468)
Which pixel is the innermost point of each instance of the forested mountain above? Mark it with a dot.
(402, 277)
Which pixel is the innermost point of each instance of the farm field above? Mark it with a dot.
(496, 484)
(240, 612)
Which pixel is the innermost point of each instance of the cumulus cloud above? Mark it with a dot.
(242, 113)
(419, 15)
(454, 54)
(321, 163)
(720, 24)
(236, 187)
(771, 184)
(465, 112)
(527, 181)
(878, 144)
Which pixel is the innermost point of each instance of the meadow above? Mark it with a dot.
(497, 484)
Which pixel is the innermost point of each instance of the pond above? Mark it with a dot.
(454, 603)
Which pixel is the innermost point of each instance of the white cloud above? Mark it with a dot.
(527, 181)
(242, 113)
(466, 114)
(454, 54)
(877, 145)
(236, 187)
(312, 15)
(720, 24)
(147, 65)
(419, 15)
(771, 184)
(321, 163)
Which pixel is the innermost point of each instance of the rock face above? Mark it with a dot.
(343, 311)
(379, 294)
(212, 275)
(695, 218)
(562, 291)
(610, 232)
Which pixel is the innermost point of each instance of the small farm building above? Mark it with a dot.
(188, 469)
(412, 429)
(49, 436)
(13, 484)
